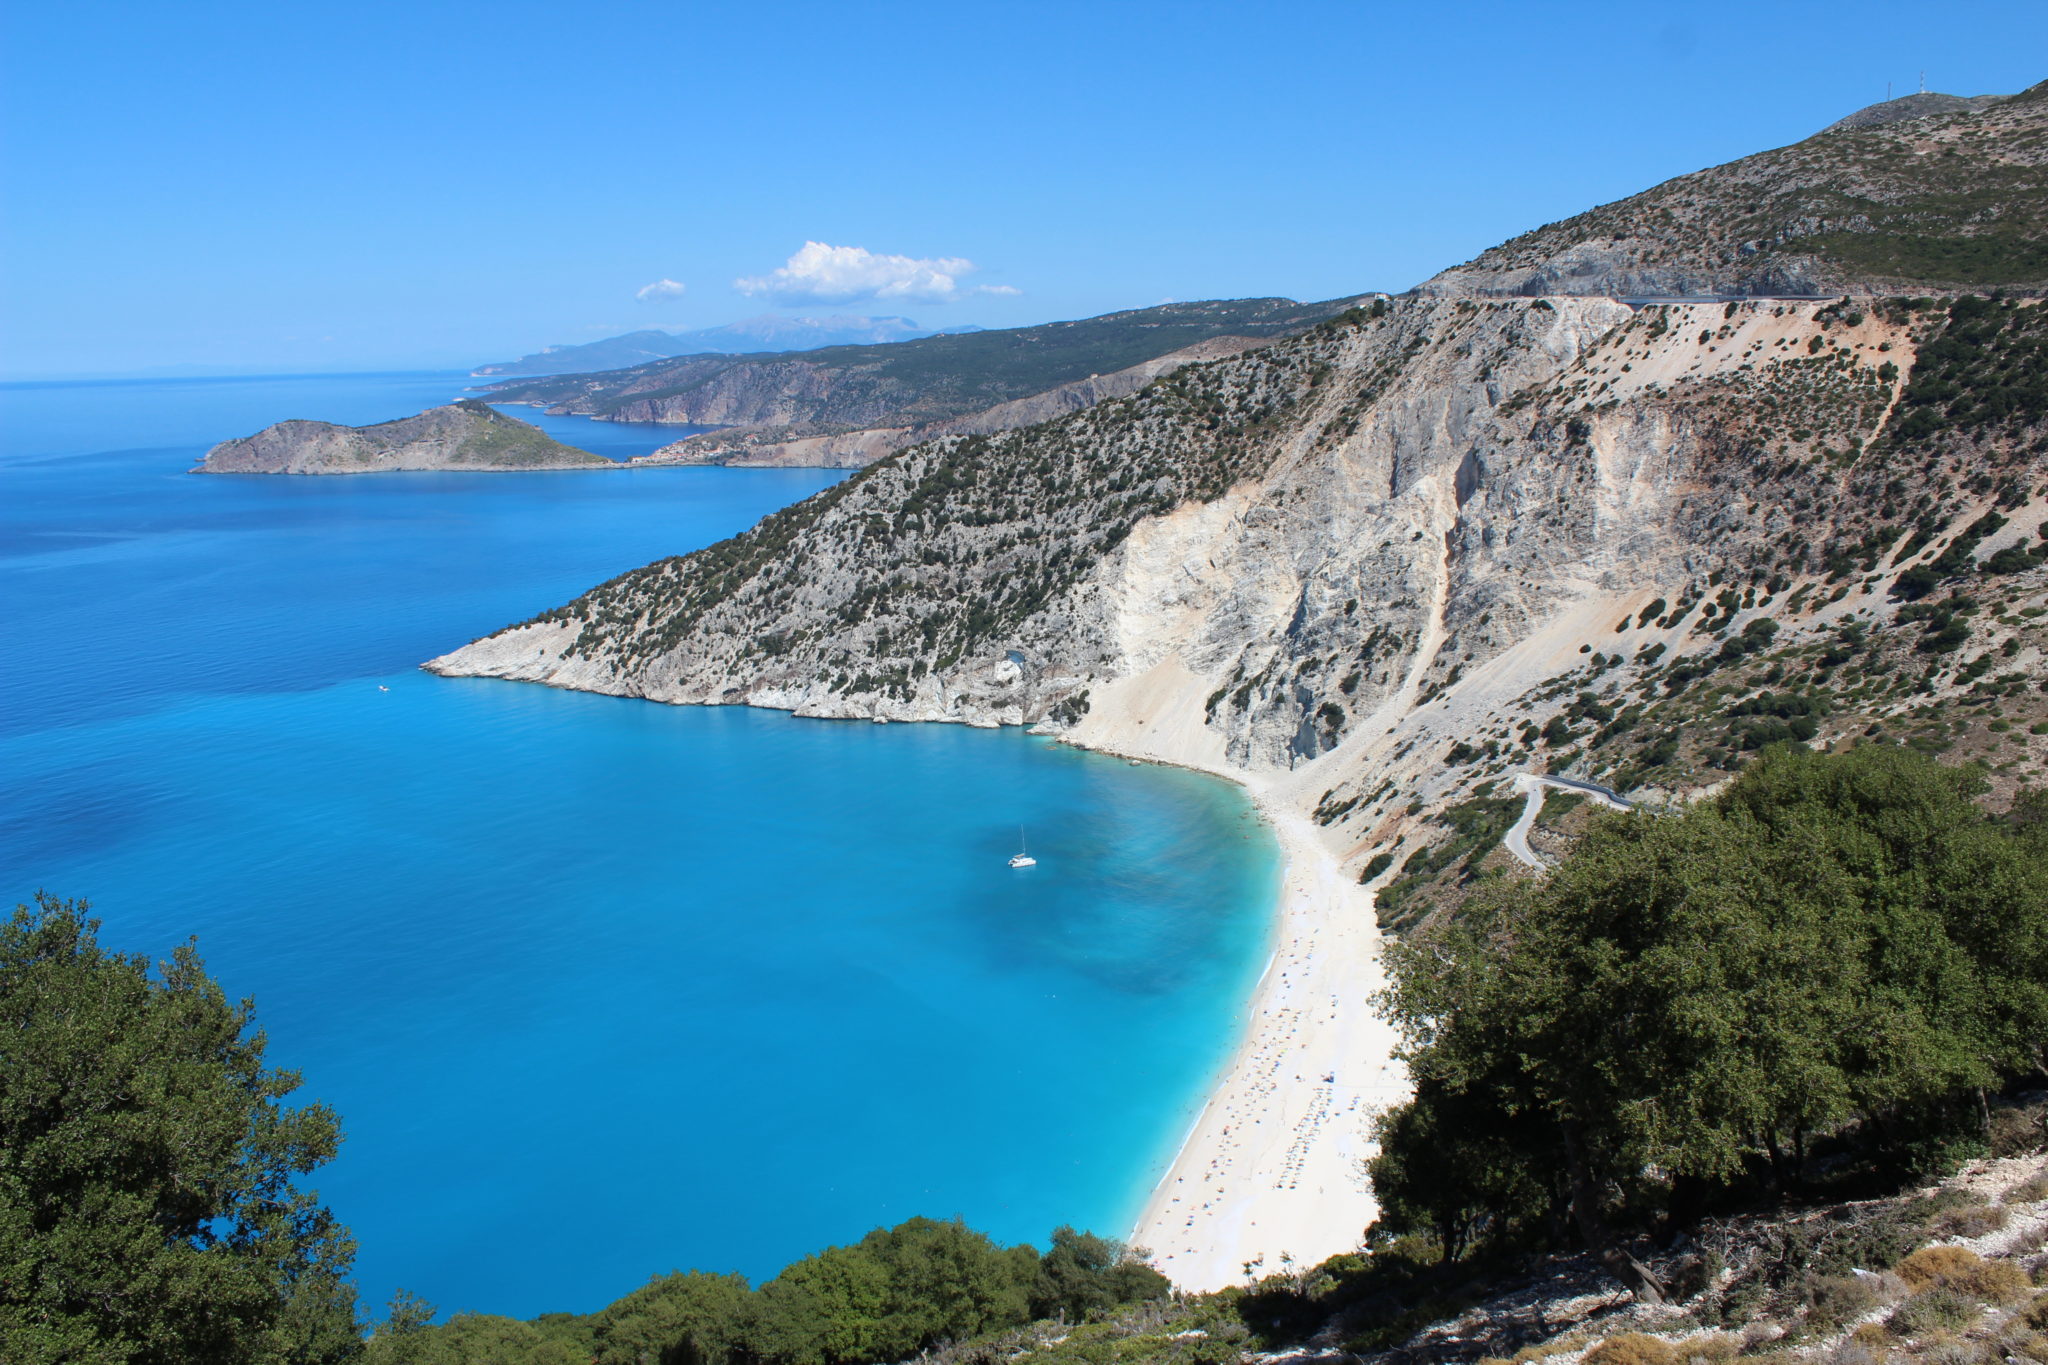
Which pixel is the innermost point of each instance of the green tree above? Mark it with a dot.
(898, 1291)
(948, 1282)
(825, 1308)
(1083, 1274)
(1694, 998)
(678, 1319)
(406, 1337)
(1455, 1166)
(147, 1211)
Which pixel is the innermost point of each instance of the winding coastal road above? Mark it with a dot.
(1532, 785)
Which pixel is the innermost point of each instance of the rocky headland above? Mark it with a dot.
(465, 435)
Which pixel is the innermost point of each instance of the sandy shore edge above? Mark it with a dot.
(1271, 1168)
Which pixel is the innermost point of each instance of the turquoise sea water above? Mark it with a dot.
(600, 988)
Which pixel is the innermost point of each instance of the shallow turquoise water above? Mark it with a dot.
(600, 988)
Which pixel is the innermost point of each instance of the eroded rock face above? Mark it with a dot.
(462, 435)
(1312, 533)
(1331, 560)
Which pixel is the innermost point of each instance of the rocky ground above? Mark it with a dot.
(1952, 1272)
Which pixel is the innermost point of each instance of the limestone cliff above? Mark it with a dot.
(1372, 562)
(1385, 565)
(466, 435)
(1926, 192)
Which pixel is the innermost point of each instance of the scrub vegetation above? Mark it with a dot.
(1952, 199)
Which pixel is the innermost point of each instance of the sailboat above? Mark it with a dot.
(1022, 857)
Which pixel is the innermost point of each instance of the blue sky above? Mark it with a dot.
(326, 186)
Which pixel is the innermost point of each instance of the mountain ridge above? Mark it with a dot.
(774, 447)
(930, 378)
(768, 333)
(1951, 199)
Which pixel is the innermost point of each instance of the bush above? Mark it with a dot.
(2030, 1192)
(1709, 1349)
(1542, 1351)
(1839, 1300)
(1999, 1282)
(1966, 1274)
(1936, 1265)
(1932, 1310)
(1915, 583)
(1971, 1222)
(1632, 1348)
(2034, 1347)
(2018, 1131)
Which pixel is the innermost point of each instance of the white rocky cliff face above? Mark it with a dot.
(1320, 561)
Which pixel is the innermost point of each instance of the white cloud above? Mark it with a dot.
(660, 291)
(843, 274)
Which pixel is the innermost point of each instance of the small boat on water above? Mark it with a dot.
(1022, 857)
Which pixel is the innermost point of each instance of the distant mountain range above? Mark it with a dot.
(751, 336)
(851, 405)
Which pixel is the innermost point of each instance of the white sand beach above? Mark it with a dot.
(1272, 1166)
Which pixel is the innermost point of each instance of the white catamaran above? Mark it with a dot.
(1022, 857)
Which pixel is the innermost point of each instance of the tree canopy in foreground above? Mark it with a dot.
(894, 1294)
(147, 1210)
(148, 1214)
(1838, 948)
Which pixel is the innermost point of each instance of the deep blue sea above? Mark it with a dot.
(600, 988)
